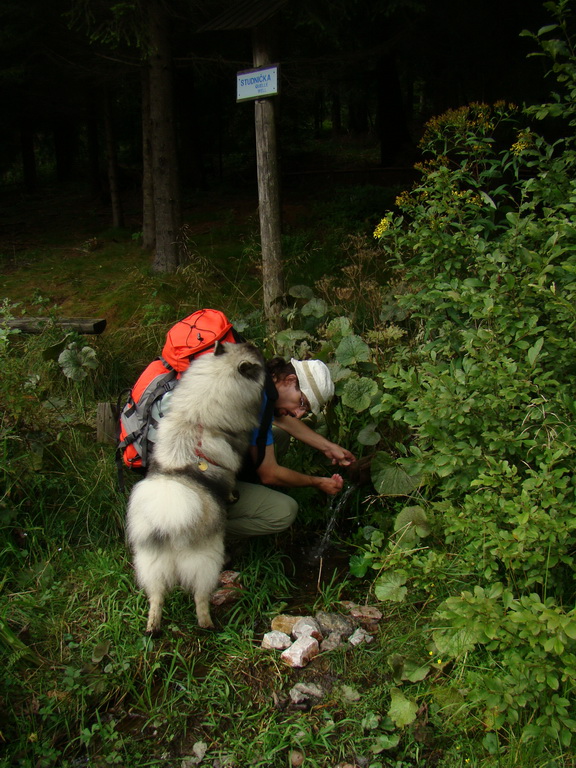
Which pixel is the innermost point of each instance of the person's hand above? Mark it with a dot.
(331, 485)
(338, 455)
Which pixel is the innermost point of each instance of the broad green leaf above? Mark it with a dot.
(315, 308)
(371, 721)
(352, 350)
(415, 672)
(338, 373)
(301, 292)
(286, 339)
(389, 586)
(100, 650)
(406, 669)
(368, 435)
(338, 328)
(416, 518)
(396, 662)
(358, 393)
(359, 565)
(402, 710)
(490, 743)
(385, 741)
(74, 361)
(456, 642)
(389, 478)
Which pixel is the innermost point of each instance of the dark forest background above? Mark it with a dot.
(75, 94)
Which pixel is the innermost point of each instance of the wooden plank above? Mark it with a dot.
(38, 324)
(106, 423)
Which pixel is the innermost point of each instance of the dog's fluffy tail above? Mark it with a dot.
(164, 510)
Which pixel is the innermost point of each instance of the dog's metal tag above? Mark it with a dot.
(202, 465)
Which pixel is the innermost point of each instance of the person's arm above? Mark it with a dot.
(272, 473)
(301, 431)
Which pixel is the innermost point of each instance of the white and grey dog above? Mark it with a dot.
(176, 514)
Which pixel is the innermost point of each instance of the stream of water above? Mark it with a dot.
(336, 508)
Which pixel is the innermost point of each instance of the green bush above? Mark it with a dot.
(484, 394)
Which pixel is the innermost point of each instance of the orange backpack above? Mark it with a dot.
(191, 337)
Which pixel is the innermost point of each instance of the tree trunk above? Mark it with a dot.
(336, 113)
(112, 163)
(65, 145)
(268, 191)
(167, 214)
(148, 221)
(391, 121)
(28, 159)
(93, 144)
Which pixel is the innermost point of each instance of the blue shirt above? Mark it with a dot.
(255, 432)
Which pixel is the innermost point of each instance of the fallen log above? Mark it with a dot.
(38, 324)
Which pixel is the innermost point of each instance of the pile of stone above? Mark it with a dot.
(229, 590)
(301, 638)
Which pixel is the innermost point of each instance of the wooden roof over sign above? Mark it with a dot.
(244, 15)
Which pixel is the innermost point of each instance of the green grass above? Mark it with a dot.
(82, 685)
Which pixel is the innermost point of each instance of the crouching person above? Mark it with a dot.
(293, 389)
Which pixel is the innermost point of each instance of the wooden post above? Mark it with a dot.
(106, 423)
(268, 188)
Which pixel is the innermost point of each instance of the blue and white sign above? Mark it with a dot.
(257, 83)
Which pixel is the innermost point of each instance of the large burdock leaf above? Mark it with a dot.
(75, 361)
(456, 642)
(368, 435)
(338, 373)
(358, 393)
(338, 328)
(390, 586)
(413, 523)
(389, 478)
(407, 669)
(299, 292)
(315, 308)
(402, 710)
(286, 340)
(352, 350)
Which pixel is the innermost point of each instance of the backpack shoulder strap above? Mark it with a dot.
(267, 418)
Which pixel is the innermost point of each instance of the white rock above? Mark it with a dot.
(277, 640)
(305, 691)
(307, 627)
(284, 623)
(301, 651)
(332, 641)
(360, 636)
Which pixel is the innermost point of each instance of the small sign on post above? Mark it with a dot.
(257, 83)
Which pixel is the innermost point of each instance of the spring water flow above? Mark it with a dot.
(336, 507)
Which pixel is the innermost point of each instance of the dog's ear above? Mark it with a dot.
(249, 370)
(219, 348)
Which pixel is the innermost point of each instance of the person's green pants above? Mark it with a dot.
(260, 510)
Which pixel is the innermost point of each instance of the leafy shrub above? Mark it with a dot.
(483, 392)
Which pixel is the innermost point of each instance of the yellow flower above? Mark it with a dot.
(524, 141)
(381, 228)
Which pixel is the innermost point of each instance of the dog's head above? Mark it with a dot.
(249, 362)
(223, 389)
